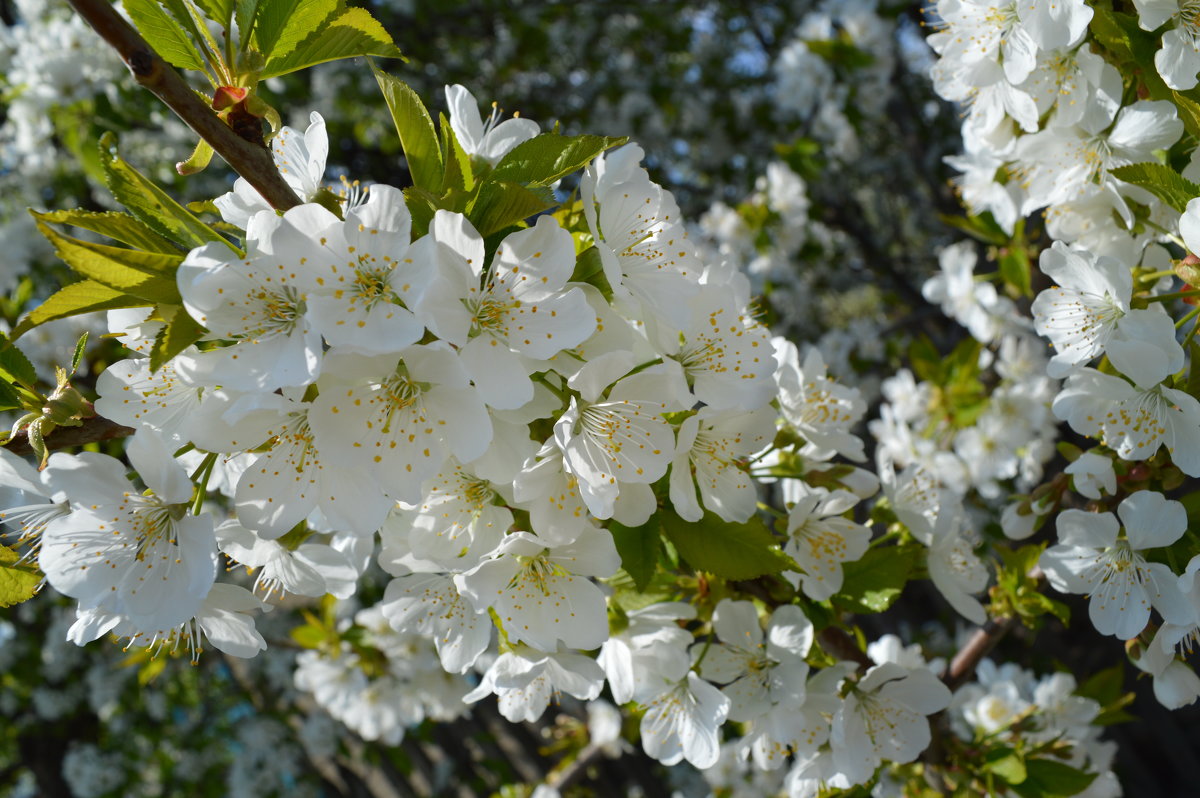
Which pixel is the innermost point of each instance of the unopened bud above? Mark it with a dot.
(1188, 270)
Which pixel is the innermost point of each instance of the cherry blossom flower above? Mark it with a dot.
(540, 594)
(759, 671)
(490, 140)
(1082, 312)
(430, 603)
(525, 680)
(141, 556)
(820, 540)
(300, 159)
(714, 448)
(682, 722)
(820, 409)
(1092, 558)
(883, 718)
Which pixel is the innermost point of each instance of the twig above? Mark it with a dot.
(251, 161)
(95, 428)
(574, 771)
(843, 646)
(962, 667)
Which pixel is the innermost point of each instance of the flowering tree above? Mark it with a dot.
(513, 430)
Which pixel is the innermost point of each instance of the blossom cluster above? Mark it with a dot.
(483, 416)
(1049, 117)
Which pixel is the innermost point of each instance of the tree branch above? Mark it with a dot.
(94, 428)
(962, 667)
(251, 161)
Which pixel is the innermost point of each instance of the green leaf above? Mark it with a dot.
(638, 547)
(164, 34)
(245, 14)
(982, 227)
(501, 204)
(309, 636)
(1161, 181)
(14, 365)
(151, 204)
(841, 52)
(9, 398)
(180, 333)
(219, 11)
(1189, 112)
(1015, 270)
(117, 226)
(926, 361)
(17, 582)
(1129, 45)
(198, 161)
(148, 275)
(731, 551)
(422, 206)
(151, 670)
(1193, 380)
(280, 25)
(417, 136)
(1106, 686)
(457, 175)
(85, 296)
(874, 582)
(350, 34)
(80, 348)
(1006, 764)
(1049, 778)
(543, 159)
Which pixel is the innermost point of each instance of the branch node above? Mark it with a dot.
(141, 63)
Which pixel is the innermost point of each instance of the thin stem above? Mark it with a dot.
(1175, 295)
(205, 470)
(1187, 339)
(251, 161)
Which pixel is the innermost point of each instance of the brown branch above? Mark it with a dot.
(95, 428)
(251, 161)
(962, 667)
(576, 770)
(843, 646)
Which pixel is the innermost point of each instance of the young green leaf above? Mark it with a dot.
(1015, 269)
(350, 34)
(548, 157)
(280, 25)
(178, 334)
(730, 551)
(501, 204)
(1049, 778)
(422, 206)
(874, 582)
(164, 33)
(417, 136)
(9, 398)
(151, 204)
(458, 175)
(14, 365)
(1161, 181)
(85, 296)
(80, 348)
(219, 11)
(638, 547)
(17, 582)
(148, 275)
(117, 226)
(245, 15)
